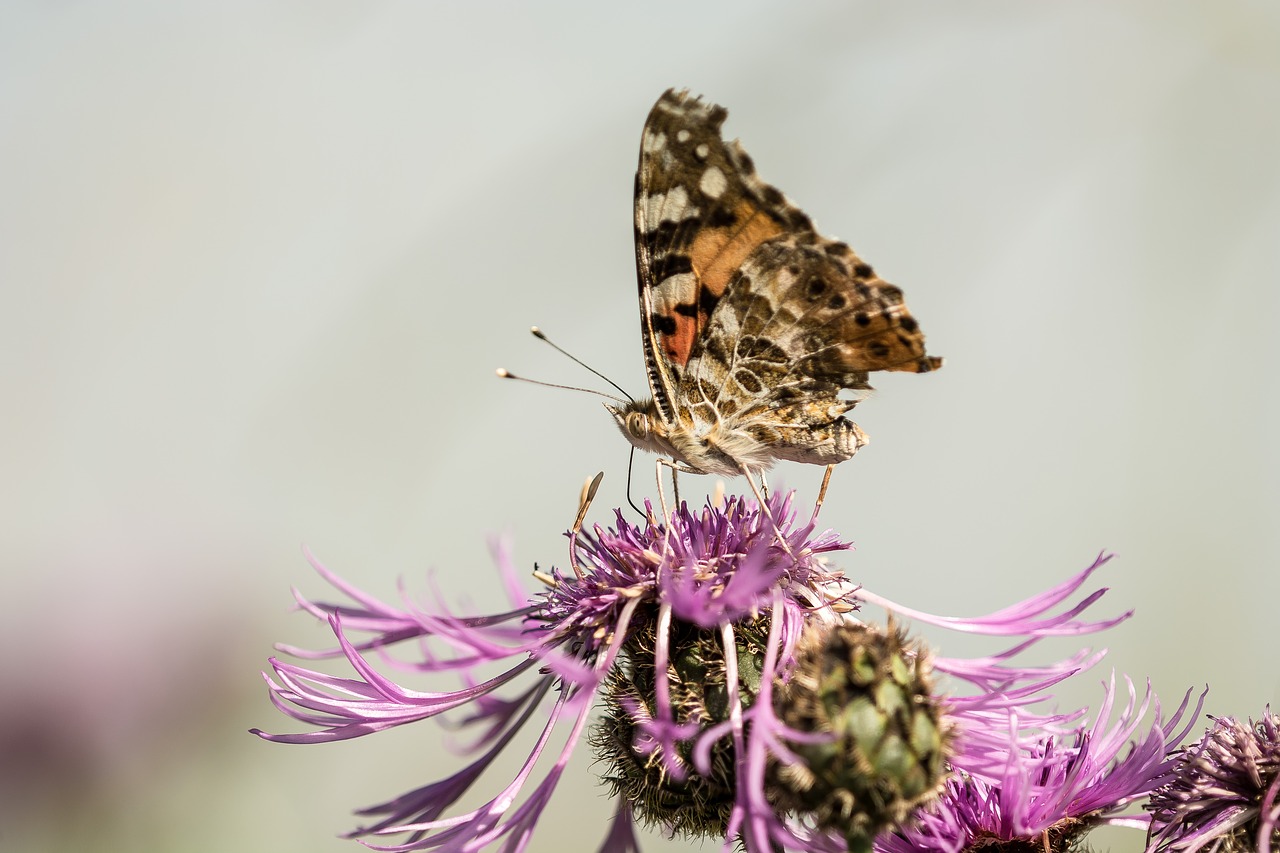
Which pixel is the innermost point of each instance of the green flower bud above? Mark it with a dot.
(872, 692)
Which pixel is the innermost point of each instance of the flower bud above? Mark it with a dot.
(871, 692)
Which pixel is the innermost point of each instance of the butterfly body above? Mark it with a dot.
(753, 323)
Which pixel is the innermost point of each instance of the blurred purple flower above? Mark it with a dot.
(723, 571)
(1052, 792)
(1224, 792)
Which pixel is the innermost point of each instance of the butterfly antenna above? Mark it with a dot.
(503, 373)
(540, 335)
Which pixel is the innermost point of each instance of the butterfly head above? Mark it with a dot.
(641, 424)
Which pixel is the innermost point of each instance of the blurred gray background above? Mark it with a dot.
(259, 260)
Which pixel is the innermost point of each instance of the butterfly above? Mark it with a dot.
(752, 322)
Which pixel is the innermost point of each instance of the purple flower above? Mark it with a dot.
(1224, 792)
(1051, 792)
(684, 634)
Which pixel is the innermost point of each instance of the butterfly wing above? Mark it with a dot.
(802, 319)
(700, 212)
(752, 322)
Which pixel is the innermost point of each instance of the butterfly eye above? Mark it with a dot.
(638, 425)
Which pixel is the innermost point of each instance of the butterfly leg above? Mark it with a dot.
(822, 492)
(676, 468)
(662, 495)
(763, 501)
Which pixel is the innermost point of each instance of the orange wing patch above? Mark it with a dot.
(717, 253)
(687, 299)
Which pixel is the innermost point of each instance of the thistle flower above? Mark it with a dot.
(872, 692)
(1224, 794)
(1051, 793)
(697, 638)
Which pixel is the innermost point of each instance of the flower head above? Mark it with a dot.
(739, 697)
(870, 691)
(1224, 794)
(1053, 791)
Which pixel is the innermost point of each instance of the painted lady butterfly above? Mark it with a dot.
(752, 321)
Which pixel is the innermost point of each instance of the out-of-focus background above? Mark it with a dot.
(258, 262)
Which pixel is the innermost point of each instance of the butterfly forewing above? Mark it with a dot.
(700, 211)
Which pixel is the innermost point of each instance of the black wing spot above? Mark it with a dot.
(668, 233)
(749, 381)
(878, 349)
(686, 310)
(721, 217)
(772, 195)
(909, 323)
(788, 394)
(672, 264)
(762, 349)
(715, 347)
(862, 319)
(863, 270)
(837, 302)
(816, 287)
(663, 324)
(837, 249)
(707, 301)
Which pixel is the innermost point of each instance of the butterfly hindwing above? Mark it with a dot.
(803, 318)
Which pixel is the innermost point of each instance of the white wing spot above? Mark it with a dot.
(677, 289)
(683, 136)
(667, 207)
(702, 151)
(653, 142)
(713, 183)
